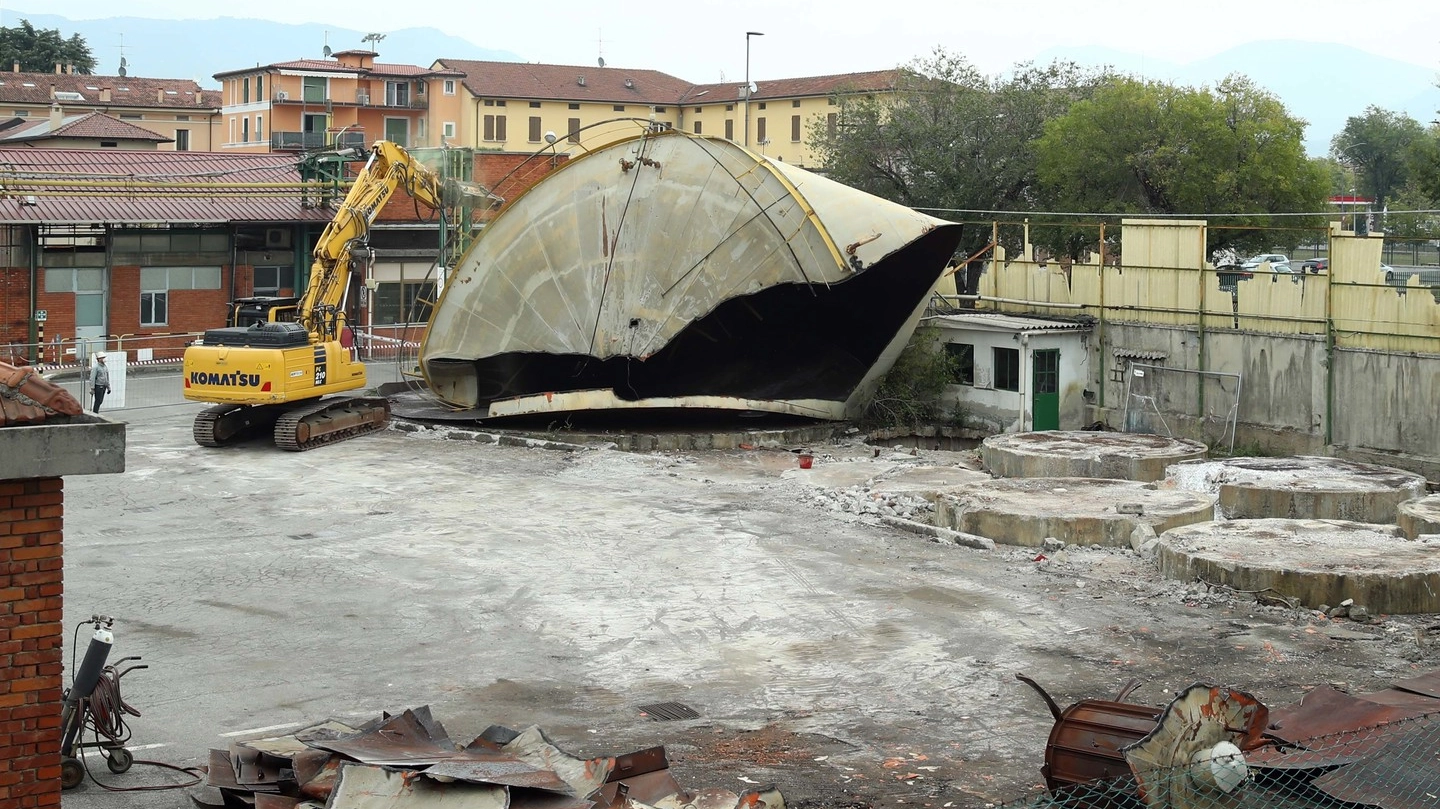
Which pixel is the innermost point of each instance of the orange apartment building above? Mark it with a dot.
(308, 104)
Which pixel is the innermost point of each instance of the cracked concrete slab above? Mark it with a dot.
(521, 585)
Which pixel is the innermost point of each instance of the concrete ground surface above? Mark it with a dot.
(853, 664)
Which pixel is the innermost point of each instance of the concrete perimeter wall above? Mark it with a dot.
(1344, 362)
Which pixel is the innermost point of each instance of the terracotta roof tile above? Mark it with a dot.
(125, 91)
(608, 85)
(331, 66)
(802, 87)
(91, 126)
(27, 397)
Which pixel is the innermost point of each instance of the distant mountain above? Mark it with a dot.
(1322, 83)
(198, 49)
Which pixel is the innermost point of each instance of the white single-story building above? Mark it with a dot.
(1015, 374)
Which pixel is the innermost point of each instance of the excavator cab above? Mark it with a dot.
(248, 311)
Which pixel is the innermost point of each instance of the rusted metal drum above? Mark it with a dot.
(1087, 738)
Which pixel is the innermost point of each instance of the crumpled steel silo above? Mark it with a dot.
(678, 271)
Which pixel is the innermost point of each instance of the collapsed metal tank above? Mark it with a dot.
(677, 271)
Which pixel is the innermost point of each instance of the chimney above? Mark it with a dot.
(70, 68)
(199, 99)
(159, 96)
(17, 66)
(105, 95)
(52, 90)
(57, 68)
(56, 116)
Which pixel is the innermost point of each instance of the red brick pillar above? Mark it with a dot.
(31, 642)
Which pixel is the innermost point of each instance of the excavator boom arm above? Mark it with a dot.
(388, 168)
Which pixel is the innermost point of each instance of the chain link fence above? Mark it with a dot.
(1393, 766)
(147, 371)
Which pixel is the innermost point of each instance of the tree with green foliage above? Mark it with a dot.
(1144, 147)
(1422, 165)
(1378, 144)
(909, 394)
(38, 50)
(949, 137)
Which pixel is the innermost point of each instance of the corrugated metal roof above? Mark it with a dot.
(227, 199)
(998, 322)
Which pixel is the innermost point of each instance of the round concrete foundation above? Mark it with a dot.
(927, 481)
(1417, 517)
(1079, 511)
(1316, 562)
(1300, 488)
(1123, 456)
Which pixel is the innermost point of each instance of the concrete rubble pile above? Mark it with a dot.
(407, 761)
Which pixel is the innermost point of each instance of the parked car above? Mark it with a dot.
(1315, 266)
(1278, 262)
(1389, 273)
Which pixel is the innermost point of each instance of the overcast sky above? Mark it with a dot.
(699, 40)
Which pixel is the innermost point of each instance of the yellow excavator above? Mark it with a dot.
(272, 373)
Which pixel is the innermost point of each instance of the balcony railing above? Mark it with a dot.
(313, 141)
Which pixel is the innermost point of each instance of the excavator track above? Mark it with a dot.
(225, 424)
(330, 420)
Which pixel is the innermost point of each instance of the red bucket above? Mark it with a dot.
(806, 461)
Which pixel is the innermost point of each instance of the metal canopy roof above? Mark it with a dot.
(107, 186)
(998, 322)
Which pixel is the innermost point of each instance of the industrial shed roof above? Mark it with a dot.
(106, 186)
(998, 322)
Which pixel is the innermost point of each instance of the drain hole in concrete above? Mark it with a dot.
(669, 711)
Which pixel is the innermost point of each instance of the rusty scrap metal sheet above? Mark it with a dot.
(640, 762)
(363, 786)
(263, 801)
(221, 773)
(1427, 684)
(642, 776)
(1326, 711)
(397, 740)
(583, 776)
(480, 767)
(289, 745)
(322, 783)
(258, 771)
(1402, 774)
(650, 788)
(521, 798)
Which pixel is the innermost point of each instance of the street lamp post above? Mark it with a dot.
(748, 34)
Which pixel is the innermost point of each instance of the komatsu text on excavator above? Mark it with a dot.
(272, 373)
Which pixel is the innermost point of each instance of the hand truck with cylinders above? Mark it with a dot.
(93, 704)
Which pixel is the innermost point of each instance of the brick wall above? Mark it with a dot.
(31, 642)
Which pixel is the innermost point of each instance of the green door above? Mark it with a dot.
(1046, 415)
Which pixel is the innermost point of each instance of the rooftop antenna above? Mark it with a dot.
(600, 47)
(326, 50)
(373, 39)
(123, 63)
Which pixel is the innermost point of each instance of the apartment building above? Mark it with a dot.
(511, 106)
(182, 113)
(777, 118)
(347, 98)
